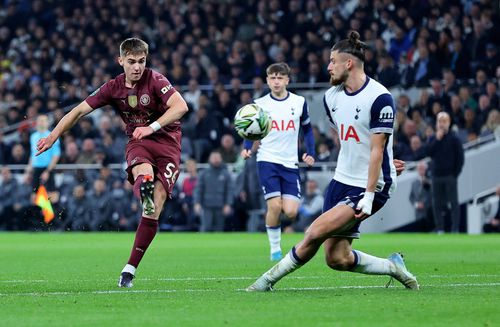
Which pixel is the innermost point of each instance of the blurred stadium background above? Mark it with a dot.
(433, 55)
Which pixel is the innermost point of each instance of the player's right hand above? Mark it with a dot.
(245, 154)
(44, 144)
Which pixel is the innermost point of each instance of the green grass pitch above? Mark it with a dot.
(69, 279)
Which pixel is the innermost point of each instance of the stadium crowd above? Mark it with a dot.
(53, 54)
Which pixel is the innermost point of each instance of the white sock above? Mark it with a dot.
(286, 265)
(129, 268)
(274, 236)
(370, 265)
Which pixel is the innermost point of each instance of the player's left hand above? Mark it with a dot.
(364, 208)
(400, 166)
(309, 160)
(141, 132)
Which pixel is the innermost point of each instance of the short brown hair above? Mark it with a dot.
(352, 45)
(278, 68)
(134, 46)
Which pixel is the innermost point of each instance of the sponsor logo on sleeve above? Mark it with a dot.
(386, 115)
(166, 88)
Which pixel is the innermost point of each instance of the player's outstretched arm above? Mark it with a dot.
(64, 124)
(177, 107)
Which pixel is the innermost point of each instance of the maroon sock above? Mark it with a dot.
(137, 186)
(143, 237)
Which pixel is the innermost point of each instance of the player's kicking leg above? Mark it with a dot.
(152, 196)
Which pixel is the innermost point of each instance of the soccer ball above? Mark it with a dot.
(252, 122)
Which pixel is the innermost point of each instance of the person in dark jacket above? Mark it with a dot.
(213, 194)
(447, 154)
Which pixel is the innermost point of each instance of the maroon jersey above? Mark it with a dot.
(141, 105)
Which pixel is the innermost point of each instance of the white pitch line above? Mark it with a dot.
(108, 292)
(187, 279)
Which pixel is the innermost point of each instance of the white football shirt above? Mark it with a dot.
(356, 116)
(281, 144)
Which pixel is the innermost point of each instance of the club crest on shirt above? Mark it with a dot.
(132, 100)
(145, 99)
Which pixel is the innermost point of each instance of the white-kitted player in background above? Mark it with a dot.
(277, 156)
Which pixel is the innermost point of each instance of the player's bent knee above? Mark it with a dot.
(274, 206)
(290, 213)
(314, 235)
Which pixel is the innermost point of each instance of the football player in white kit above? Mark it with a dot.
(362, 111)
(277, 156)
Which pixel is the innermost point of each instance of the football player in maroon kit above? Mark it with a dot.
(151, 109)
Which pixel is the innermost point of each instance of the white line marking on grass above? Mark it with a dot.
(24, 281)
(110, 292)
(187, 279)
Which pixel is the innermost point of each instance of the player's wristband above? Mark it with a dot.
(155, 126)
(369, 195)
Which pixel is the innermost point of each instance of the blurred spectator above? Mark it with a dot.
(187, 193)
(491, 91)
(417, 151)
(484, 109)
(126, 206)
(426, 67)
(213, 195)
(228, 149)
(492, 60)
(18, 156)
(71, 153)
(249, 194)
(78, 210)
(310, 207)
(41, 166)
(258, 87)
(450, 86)
(4, 150)
(87, 155)
(192, 96)
(325, 155)
(492, 125)
(7, 190)
(100, 207)
(471, 125)
(387, 74)
(207, 133)
(447, 154)
(421, 197)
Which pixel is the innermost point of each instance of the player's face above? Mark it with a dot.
(277, 83)
(134, 66)
(338, 68)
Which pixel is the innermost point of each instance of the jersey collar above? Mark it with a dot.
(361, 89)
(276, 99)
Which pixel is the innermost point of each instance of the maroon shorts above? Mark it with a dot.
(164, 157)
